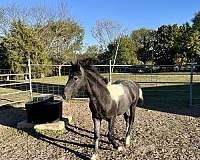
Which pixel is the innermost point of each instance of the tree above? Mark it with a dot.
(9, 14)
(3, 55)
(194, 45)
(180, 46)
(22, 43)
(144, 40)
(105, 32)
(91, 55)
(126, 51)
(165, 44)
(194, 39)
(61, 35)
(196, 22)
(62, 39)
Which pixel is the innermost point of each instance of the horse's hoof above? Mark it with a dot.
(127, 143)
(120, 148)
(94, 157)
(127, 146)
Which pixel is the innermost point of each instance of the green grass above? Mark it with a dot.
(176, 85)
(52, 80)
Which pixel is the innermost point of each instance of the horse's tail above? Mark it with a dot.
(141, 99)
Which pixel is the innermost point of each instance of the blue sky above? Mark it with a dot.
(131, 14)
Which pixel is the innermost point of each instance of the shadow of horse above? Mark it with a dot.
(10, 116)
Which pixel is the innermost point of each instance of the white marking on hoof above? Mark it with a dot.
(127, 140)
(120, 148)
(94, 157)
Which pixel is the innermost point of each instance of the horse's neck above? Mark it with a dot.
(96, 87)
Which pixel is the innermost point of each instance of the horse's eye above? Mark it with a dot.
(75, 78)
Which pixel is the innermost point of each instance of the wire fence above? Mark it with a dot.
(169, 84)
(15, 88)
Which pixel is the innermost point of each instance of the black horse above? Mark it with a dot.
(106, 100)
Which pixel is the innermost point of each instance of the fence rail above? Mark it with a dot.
(12, 89)
(147, 75)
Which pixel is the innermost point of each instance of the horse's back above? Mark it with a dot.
(131, 85)
(125, 93)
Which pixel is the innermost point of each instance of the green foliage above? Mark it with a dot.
(194, 38)
(142, 36)
(144, 39)
(50, 33)
(91, 55)
(22, 43)
(62, 39)
(182, 55)
(126, 53)
(165, 44)
(196, 22)
(57, 39)
(150, 66)
(194, 44)
(3, 56)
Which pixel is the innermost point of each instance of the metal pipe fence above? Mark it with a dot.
(157, 81)
(15, 87)
(161, 80)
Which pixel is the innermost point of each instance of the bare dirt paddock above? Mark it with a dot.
(156, 135)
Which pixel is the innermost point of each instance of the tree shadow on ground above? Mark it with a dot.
(172, 99)
(10, 116)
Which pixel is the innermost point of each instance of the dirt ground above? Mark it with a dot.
(156, 135)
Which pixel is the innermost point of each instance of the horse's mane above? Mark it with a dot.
(93, 69)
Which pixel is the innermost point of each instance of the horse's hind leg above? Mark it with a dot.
(111, 137)
(129, 123)
(127, 117)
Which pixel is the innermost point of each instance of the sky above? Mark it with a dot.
(131, 14)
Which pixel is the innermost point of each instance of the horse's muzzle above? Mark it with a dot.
(63, 96)
(66, 97)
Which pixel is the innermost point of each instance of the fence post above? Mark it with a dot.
(110, 71)
(30, 82)
(191, 81)
(59, 70)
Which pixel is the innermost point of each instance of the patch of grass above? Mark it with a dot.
(154, 86)
(57, 80)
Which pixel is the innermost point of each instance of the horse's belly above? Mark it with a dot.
(123, 105)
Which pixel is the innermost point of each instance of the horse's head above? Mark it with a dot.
(75, 81)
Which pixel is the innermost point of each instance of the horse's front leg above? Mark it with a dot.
(111, 126)
(97, 126)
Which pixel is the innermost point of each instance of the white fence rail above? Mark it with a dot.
(14, 87)
(147, 75)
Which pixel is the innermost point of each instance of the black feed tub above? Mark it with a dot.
(44, 110)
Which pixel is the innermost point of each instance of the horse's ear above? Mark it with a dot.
(78, 65)
(74, 62)
(105, 80)
(77, 62)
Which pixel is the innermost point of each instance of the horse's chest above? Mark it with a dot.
(116, 91)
